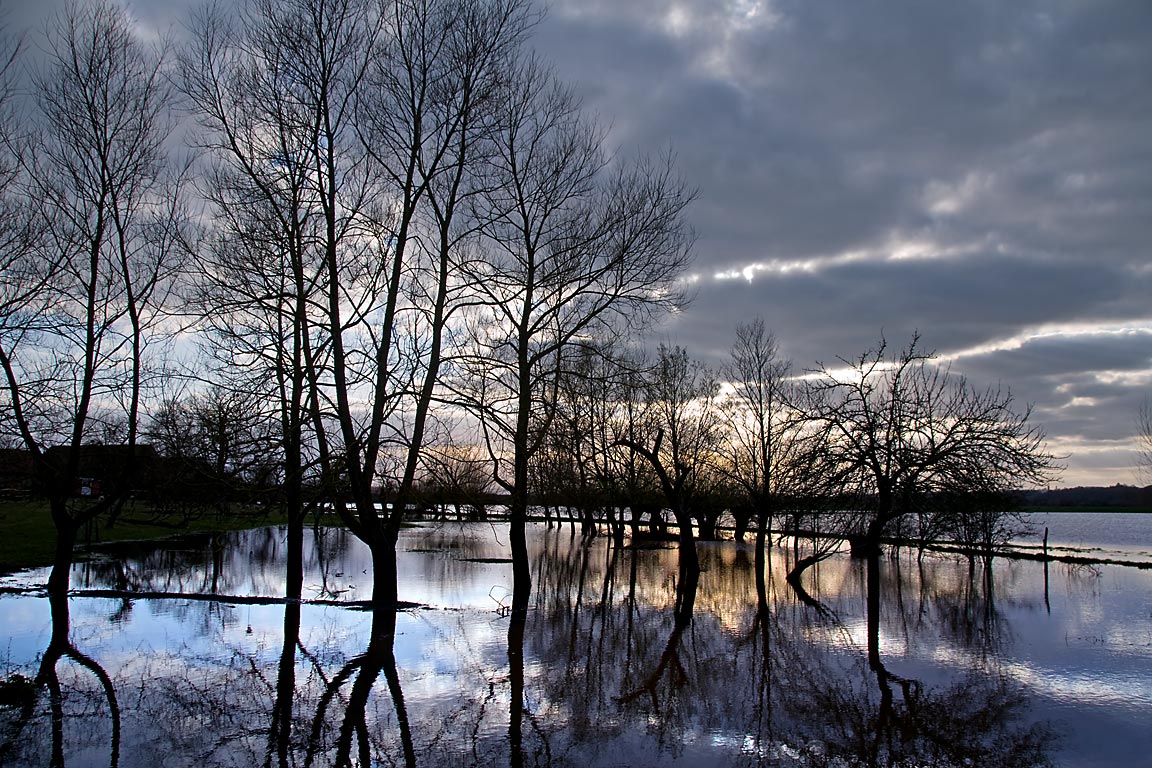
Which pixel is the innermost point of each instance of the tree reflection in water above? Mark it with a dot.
(615, 657)
(72, 705)
(837, 718)
(785, 685)
(379, 658)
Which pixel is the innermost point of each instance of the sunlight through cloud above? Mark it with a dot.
(897, 248)
(1069, 331)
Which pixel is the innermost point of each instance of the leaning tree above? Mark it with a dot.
(684, 443)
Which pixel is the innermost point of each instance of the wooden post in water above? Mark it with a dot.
(1047, 603)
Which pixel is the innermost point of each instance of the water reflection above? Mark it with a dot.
(232, 563)
(618, 660)
(76, 695)
(354, 738)
(787, 686)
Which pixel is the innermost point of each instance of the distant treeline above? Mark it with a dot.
(1112, 496)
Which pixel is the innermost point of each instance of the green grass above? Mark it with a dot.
(28, 537)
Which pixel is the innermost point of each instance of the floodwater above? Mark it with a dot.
(950, 664)
(1120, 536)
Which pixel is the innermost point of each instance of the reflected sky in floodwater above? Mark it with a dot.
(1124, 536)
(1016, 666)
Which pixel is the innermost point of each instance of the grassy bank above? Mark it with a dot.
(28, 538)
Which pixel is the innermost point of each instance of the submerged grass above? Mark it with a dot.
(28, 537)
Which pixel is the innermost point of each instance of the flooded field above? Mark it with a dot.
(184, 653)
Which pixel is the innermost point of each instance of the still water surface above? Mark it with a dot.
(1122, 536)
(1017, 666)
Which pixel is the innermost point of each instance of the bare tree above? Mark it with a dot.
(777, 459)
(581, 437)
(456, 474)
(435, 81)
(601, 399)
(105, 200)
(263, 82)
(574, 245)
(634, 482)
(757, 412)
(773, 456)
(217, 445)
(686, 441)
(352, 130)
(905, 428)
(429, 118)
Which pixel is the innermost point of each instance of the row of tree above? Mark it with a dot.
(392, 206)
(395, 221)
(885, 444)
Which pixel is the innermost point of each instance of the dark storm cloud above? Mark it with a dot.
(1003, 148)
(831, 123)
(955, 303)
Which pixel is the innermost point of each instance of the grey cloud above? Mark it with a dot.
(1074, 382)
(893, 94)
(955, 304)
(1059, 356)
(1013, 137)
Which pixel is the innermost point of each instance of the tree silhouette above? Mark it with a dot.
(907, 429)
(98, 188)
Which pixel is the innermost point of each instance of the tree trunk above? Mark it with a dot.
(59, 579)
(762, 525)
(521, 568)
(689, 559)
(618, 525)
(385, 589)
(873, 582)
(707, 527)
(741, 521)
(516, 625)
(294, 575)
(587, 521)
(634, 515)
(869, 545)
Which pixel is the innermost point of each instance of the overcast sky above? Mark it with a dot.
(977, 170)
